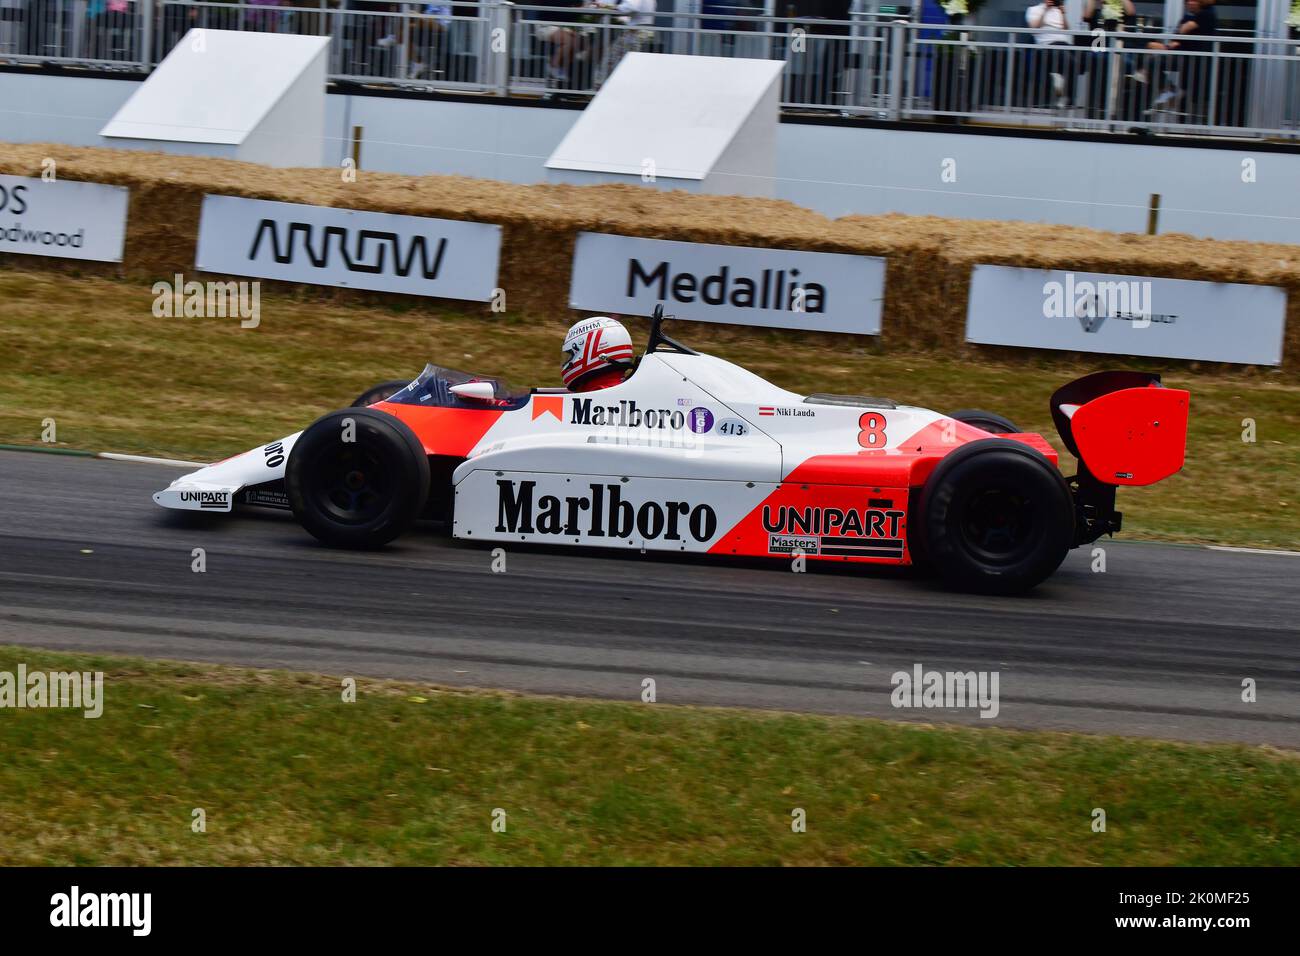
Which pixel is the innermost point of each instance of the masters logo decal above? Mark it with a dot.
(791, 543)
(853, 532)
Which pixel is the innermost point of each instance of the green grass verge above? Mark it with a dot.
(88, 353)
(287, 773)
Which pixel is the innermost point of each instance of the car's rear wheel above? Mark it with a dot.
(997, 517)
(357, 478)
(379, 393)
(991, 422)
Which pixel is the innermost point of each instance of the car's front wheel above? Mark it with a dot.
(997, 517)
(357, 478)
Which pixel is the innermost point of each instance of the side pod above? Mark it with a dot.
(1126, 429)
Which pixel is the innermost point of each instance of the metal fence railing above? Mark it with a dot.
(370, 42)
(870, 65)
(829, 63)
(1113, 82)
(101, 33)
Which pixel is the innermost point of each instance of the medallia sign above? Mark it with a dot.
(737, 285)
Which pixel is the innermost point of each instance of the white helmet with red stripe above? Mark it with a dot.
(590, 344)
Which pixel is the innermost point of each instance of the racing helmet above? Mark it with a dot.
(588, 346)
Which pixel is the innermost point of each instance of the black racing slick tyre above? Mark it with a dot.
(378, 393)
(997, 517)
(357, 478)
(991, 422)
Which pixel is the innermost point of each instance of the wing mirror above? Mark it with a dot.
(479, 391)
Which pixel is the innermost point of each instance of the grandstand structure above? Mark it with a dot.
(845, 58)
(880, 109)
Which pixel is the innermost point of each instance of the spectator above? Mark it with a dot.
(716, 11)
(635, 19)
(96, 41)
(723, 40)
(1200, 19)
(262, 20)
(931, 13)
(828, 52)
(426, 41)
(11, 18)
(637, 13)
(41, 28)
(1054, 57)
(108, 23)
(177, 20)
(369, 35)
(561, 38)
(1101, 60)
(379, 27)
(1191, 73)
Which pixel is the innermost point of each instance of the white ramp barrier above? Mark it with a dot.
(258, 97)
(701, 123)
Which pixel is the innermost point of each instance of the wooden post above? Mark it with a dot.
(356, 147)
(1153, 215)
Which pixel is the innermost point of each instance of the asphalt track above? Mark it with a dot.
(1157, 645)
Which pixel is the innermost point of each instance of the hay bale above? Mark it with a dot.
(927, 280)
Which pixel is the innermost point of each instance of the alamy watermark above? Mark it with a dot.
(946, 689)
(1093, 302)
(79, 690)
(133, 911)
(208, 300)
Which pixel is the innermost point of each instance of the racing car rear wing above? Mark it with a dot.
(1126, 429)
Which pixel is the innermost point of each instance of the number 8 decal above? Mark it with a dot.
(872, 434)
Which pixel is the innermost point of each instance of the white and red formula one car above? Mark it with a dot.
(693, 453)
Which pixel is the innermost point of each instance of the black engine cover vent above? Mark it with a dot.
(853, 401)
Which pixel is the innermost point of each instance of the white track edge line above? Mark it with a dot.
(1224, 547)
